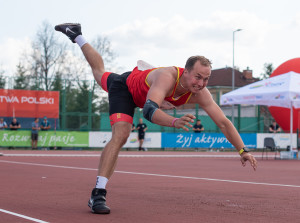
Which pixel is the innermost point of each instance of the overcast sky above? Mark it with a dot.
(164, 32)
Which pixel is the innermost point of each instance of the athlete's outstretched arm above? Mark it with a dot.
(205, 100)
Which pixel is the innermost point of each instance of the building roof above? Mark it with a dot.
(223, 77)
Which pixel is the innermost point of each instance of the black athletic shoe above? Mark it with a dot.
(72, 30)
(97, 202)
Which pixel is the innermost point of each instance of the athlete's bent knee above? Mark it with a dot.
(119, 139)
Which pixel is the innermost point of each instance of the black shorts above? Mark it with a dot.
(34, 136)
(121, 104)
(141, 135)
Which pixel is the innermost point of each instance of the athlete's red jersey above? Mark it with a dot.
(138, 87)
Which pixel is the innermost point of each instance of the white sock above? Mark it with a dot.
(101, 182)
(80, 40)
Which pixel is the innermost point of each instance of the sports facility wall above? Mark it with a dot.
(75, 139)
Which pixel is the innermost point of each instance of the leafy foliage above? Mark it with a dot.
(2, 78)
(268, 70)
(21, 80)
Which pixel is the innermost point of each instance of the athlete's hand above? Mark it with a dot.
(166, 105)
(184, 122)
(252, 160)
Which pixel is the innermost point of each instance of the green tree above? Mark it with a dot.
(57, 84)
(35, 83)
(104, 105)
(84, 99)
(70, 94)
(21, 80)
(268, 70)
(2, 81)
(2, 78)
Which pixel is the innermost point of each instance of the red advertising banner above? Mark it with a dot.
(29, 104)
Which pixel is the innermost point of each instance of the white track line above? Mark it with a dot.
(157, 175)
(131, 156)
(23, 216)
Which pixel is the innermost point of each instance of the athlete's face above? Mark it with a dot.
(197, 78)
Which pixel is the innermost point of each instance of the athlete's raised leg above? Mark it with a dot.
(95, 61)
(73, 31)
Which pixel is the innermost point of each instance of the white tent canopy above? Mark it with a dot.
(281, 91)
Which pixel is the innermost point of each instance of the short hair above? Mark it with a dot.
(193, 59)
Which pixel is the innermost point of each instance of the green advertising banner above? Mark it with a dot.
(22, 138)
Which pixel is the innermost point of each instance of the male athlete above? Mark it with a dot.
(151, 90)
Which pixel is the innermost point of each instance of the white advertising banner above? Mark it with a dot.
(100, 139)
(281, 139)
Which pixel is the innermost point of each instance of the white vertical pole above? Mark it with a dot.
(291, 128)
(233, 77)
(233, 74)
